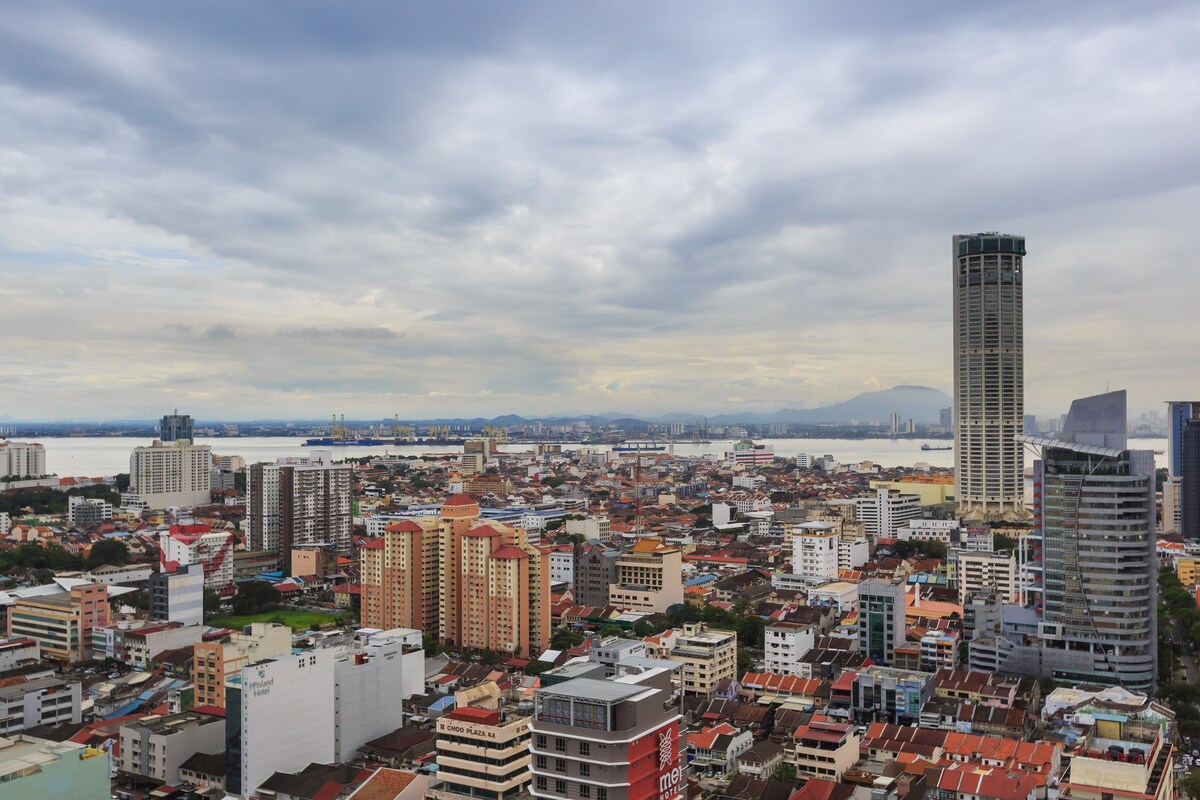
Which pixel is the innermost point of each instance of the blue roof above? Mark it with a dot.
(125, 711)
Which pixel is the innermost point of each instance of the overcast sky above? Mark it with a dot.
(295, 209)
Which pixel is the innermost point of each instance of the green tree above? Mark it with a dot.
(565, 638)
(122, 480)
(611, 630)
(643, 628)
(750, 631)
(745, 661)
(536, 667)
(212, 603)
(108, 551)
(785, 772)
(553, 481)
(33, 556)
(1189, 785)
(254, 596)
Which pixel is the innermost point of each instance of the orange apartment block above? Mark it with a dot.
(481, 587)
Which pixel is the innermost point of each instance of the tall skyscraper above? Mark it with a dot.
(1183, 467)
(1189, 480)
(1178, 414)
(173, 427)
(1096, 513)
(989, 375)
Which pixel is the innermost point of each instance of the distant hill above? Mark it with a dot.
(920, 403)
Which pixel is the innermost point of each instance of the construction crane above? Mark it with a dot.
(338, 430)
(497, 433)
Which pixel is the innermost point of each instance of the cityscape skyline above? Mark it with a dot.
(565, 216)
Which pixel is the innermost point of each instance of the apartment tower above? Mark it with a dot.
(299, 501)
(482, 587)
(989, 375)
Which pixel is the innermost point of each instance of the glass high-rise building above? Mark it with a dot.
(1095, 511)
(989, 375)
(174, 427)
(1183, 464)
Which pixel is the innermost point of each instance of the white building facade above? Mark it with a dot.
(173, 474)
(22, 459)
(886, 511)
(785, 644)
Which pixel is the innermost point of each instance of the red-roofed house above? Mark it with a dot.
(715, 750)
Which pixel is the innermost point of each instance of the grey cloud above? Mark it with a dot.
(554, 204)
(220, 333)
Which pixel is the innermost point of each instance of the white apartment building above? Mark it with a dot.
(88, 512)
(1172, 505)
(22, 459)
(178, 596)
(5, 523)
(562, 565)
(592, 527)
(15, 651)
(154, 747)
(853, 552)
(370, 685)
(815, 550)
(172, 474)
(929, 530)
(886, 511)
(182, 545)
(785, 643)
(978, 570)
(281, 718)
(320, 705)
(41, 700)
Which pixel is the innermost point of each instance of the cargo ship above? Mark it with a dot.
(638, 448)
(927, 446)
(331, 442)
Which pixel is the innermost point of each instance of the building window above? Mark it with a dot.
(601, 793)
(560, 745)
(560, 787)
(585, 748)
(540, 762)
(541, 741)
(560, 765)
(585, 791)
(585, 769)
(541, 783)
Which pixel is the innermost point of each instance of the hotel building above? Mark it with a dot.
(608, 739)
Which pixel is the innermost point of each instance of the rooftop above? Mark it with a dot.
(594, 689)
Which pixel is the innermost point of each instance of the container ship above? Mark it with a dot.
(927, 446)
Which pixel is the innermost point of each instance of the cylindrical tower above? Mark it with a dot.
(989, 375)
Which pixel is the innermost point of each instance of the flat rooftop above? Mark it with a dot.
(593, 689)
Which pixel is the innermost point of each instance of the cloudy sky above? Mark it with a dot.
(295, 209)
